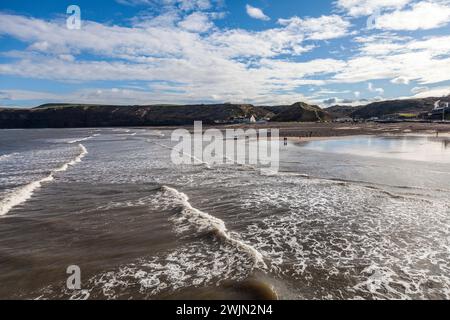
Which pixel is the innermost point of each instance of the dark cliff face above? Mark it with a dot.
(79, 116)
(300, 112)
(342, 111)
(71, 116)
(388, 108)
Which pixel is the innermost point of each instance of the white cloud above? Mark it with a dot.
(190, 57)
(321, 28)
(185, 5)
(160, 37)
(423, 15)
(401, 80)
(40, 46)
(196, 22)
(425, 61)
(121, 96)
(358, 8)
(67, 57)
(174, 54)
(417, 90)
(434, 92)
(256, 13)
(267, 43)
(373, 89)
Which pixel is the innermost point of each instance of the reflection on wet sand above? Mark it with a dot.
(416, 148)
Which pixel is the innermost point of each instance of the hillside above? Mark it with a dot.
(84, 115)
(299, 112)
(89, 115)
(396, 107)
(72, 115)
(342, 111)
(388, 108)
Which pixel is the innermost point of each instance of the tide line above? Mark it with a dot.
(24, 193)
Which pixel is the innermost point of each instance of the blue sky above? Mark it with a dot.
(211, 51)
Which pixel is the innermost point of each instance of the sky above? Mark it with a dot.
(262, 52)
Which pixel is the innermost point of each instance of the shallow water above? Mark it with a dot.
(353, 218)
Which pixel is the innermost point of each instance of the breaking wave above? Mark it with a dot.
(205, 221)
(7, 156)
(24, 193)
(197, 160)
(83, 139)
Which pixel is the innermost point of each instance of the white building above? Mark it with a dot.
(439, 106)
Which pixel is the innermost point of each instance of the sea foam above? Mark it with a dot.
(24, 193)
(82, 139)
(205, 221)
(196, 160)
(7, 156)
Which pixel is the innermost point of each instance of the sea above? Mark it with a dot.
(363, 217)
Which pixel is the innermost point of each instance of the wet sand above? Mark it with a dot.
(354, 218)
(312, 130)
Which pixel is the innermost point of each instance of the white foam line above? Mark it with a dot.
(206, 220)
(22, 194)
(262, 171)
(244, 165)
(6, 156)
(285, 174)
(185, 154)
(78, 159)
(80, 140)
(198, 160)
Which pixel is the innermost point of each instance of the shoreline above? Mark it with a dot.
(321, 130)
(445, 135)
(306, 130)
(311, 131)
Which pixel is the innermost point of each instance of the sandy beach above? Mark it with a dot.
(311, 131)
(321, 130)
(335, 221)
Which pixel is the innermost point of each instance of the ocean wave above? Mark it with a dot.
(367, 184)
(82, 139)
(320, 235)
(7, 156)
(204, 221)
(197, 160)
(193, 268)
(24, 193)
(243, 165)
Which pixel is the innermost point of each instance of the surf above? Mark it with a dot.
(83, 139)
(7, 156)
(24, 193)
(204, 220)
(197, 160)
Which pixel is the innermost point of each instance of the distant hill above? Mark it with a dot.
(299, 112)
(78, 115)
(57, 115)
(395, 107)
(342, 111)
(64, 115)
(389, 108)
